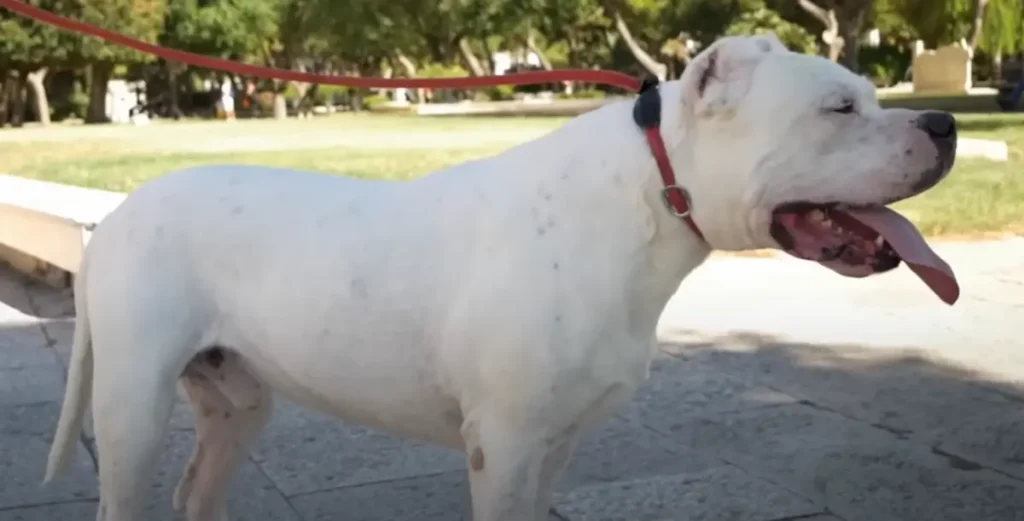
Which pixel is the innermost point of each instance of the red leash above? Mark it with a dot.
(647, 112)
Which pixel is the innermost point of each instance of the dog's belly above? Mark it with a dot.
(343, 382)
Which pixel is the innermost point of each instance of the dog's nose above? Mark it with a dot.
(938, 125)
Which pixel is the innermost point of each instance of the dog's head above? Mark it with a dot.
(791, 151)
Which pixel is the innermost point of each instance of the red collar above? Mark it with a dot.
(647, 115)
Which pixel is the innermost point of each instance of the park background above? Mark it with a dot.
(60, 91)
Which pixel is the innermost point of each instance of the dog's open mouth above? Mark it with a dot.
(860, 241)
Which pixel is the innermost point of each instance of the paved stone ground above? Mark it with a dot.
(784, 393)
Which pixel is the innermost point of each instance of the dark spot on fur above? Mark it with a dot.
(476, 460)
(215, 357)
(359, 289)
(207, 412)
(541, 230)
(708, 73)
(908, 152)
(558, 319)
(556, 266)
(227, 415)
(237, 210)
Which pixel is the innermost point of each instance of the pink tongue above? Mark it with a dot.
(912, 248)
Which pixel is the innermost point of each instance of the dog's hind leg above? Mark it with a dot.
(132, 401)
(231, 408)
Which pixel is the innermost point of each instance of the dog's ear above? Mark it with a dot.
(720, 76)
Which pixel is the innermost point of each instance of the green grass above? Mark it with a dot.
(979, 197)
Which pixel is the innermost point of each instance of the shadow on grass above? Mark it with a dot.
(963, 104)
(995, 124)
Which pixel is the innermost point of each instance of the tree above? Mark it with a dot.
(141, 19)
(222, 28)
(843, 22)
(27, 50)
(763, 19)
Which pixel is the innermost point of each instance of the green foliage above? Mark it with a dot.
(366, 36)
(501, 93)
(141, 19)
(885, 64)
(762, 20)
(584, 94)
(370, 102)
(936, 22)
(438, 70)
(26, 43)
(1003, 27)
(225, 28)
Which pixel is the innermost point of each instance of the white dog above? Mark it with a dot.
(502, 306)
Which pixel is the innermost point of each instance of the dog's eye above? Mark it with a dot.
(845, 108)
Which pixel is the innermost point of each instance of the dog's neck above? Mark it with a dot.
(614, 179)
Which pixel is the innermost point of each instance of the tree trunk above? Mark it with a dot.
(409, 68)
(648, 62)
(42, 104)
(831, 36)
(976, 25)
(997, 68)
(850, 45)
(19, 89)
(5, 96)
(531, 44)
(280, 105)
(100, 73)
(466, 51)
(174, 69)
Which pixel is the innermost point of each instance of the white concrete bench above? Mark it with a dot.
(44, 226)
(991, 149)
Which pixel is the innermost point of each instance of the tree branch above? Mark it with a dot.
(653, 66)
(979, 21)
(817, 11)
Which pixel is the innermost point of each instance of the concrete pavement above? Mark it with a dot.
(784, 393)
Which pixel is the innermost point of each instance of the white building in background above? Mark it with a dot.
(503, 60)
(122, 97)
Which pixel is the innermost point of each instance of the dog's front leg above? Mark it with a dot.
(513, 466)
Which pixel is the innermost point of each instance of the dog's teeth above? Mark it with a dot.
(817, 215)
(879, 241)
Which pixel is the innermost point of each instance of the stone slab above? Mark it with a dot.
(440, 497)
(76, 511)
(900, 389)
(623, 449)
(682, 388)
(251, 496)
(853, 469)
(34, 384)
(994, 440)
(303, 451)
(719, 494)
(24, 346)
(25, 437)
(991, 149)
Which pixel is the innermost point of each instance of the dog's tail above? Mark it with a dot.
(78, 389)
